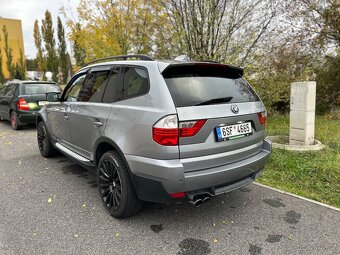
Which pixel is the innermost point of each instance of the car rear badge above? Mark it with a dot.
(234, 108)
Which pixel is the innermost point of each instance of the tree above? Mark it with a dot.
(79, 51)
(317, 22)
(32, 64)
(221, 30)
(41, 65)
(62, 51)
(9, 54)
(114, 27)
(2, 76)
(21, 67)
(47, 32)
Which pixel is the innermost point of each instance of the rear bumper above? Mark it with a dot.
(155, 179)
(27, 117)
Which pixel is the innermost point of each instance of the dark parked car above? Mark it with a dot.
(20, 101)
(158, 131)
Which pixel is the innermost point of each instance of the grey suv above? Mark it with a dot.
(158, 131)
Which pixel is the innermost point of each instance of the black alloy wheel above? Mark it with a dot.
(115, 187)
(44, 143)
(42, 137)
(110, 185)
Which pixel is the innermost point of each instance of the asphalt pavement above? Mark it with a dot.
(52, 206)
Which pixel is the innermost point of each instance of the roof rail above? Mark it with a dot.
(211, 61)
(122, 57)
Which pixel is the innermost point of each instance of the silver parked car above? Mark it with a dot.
(158, 131)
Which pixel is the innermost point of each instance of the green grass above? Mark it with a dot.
(315, 175)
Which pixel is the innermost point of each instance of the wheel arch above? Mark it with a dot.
(39, 118)
(105, 144)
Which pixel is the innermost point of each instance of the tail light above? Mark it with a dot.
(262, 118)
(22, 104)
(190, 128)
(167, 130)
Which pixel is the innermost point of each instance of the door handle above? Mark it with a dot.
(65, 117)
(97, 123)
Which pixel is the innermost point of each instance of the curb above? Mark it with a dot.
(317, 146)
(297, 196)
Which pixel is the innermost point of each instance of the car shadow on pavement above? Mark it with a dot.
(228, 205)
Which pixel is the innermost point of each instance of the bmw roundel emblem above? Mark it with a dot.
(234, 108)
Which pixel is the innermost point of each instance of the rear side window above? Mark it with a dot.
(113, 88)
(204, 84)
(38, 88)
(136, 82)
(94, 86)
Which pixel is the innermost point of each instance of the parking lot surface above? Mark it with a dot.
(52, 206)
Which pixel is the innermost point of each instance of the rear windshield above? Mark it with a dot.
(38, 88)
(208, 84)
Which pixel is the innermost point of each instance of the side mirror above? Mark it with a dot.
(53, 96)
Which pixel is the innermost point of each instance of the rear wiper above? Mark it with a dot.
(215, 100)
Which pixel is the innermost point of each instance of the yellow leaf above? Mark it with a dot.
(49, 200)
(84, 205)
(117, 234)
(215, 241)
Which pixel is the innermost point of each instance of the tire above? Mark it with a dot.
(115, 187)
(44, 143)
(14, 121)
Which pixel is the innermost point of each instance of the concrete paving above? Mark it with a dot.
(52, 206)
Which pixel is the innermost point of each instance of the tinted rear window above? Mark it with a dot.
(195, 84)
(38, 88)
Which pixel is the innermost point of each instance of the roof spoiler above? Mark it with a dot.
(165, 67)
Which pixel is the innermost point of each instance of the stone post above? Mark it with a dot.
(302, 113)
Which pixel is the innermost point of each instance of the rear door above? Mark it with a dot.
(219, 96)
(89, 114)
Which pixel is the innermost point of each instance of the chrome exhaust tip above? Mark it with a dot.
(196, 202)
(205, 199)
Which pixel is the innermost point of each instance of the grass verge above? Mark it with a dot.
(315, 175)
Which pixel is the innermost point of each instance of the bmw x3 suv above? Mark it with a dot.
(158, 131)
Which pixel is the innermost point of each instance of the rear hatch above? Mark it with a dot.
(33, 95)
(231, 115)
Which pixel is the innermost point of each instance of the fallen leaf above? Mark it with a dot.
(117, 234)
(215, 241)
(290, 238)
(224, 222)
(34, 234)
(49, 200)
(76, 235)
(84, 205)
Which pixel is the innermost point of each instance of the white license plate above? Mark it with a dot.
(42, 103)
(233, 131)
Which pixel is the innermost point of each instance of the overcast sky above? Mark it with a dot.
(30, 10)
